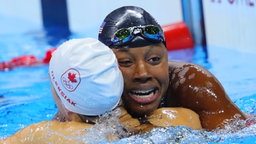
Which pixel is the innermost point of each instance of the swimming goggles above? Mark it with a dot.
(148, 32)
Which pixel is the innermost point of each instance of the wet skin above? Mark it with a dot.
(148, 78)
(145, 72)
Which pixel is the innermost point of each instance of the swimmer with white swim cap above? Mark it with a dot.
(86, 83)
(86, 78)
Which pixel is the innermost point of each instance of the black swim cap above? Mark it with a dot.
(127, 17)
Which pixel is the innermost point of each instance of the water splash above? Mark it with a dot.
(235, 131)
(107, 129)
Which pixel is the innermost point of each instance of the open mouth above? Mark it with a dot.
(144, 96)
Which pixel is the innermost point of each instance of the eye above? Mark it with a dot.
(125, 63)
(154, 60)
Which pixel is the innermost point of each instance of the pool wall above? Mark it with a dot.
(228, 23)
(84, 15)
(231, 24)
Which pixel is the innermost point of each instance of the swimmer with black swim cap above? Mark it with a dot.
(130, 27)
(152, 82)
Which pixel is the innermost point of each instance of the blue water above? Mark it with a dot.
(25, 96)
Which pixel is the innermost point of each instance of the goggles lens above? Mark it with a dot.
(150, 32)
(122, 34)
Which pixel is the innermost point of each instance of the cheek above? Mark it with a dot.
(162, 73)
(127, 73)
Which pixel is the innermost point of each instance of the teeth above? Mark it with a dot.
(143, 92)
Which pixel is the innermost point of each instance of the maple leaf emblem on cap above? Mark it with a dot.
(72, 77)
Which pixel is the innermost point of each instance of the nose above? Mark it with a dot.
(141, 73)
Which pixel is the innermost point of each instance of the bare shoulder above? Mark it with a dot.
(48, 132)
(176, 66)
(194, 87)
(191, 84)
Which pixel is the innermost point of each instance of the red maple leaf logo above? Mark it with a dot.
(72, 77)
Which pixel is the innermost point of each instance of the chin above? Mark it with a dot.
(141, 111)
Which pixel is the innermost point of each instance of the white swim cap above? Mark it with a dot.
(85, 75)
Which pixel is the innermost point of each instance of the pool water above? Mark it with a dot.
(25, 96)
